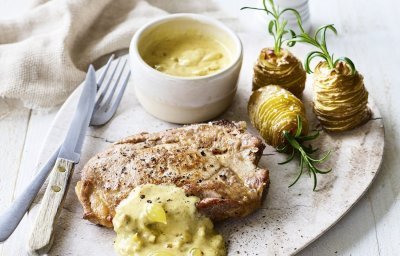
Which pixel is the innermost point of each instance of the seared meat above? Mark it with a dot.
(216, 162)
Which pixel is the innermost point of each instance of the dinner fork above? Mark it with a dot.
(105, 108)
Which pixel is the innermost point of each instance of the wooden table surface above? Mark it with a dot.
(368, 33)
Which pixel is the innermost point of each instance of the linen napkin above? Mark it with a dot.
(45, 53)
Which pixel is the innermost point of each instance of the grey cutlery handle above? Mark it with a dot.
(10, 218)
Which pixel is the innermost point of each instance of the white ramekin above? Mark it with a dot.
(185, 99)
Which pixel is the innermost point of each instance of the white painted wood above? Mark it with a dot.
(12, 216)
(13, 128)
(371, 34)
(37, 129)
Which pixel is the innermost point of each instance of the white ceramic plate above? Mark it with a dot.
(290, 219)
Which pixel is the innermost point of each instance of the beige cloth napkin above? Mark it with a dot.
(44, 54)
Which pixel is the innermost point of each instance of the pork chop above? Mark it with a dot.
(216, 162)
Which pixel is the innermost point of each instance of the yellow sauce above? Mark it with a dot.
(189, 54)
(160, 220)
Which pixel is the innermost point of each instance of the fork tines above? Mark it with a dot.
(107, 84)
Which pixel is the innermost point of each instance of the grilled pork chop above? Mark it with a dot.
(216, 162)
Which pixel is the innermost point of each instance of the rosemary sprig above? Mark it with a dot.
(277, 26)
(319, 41)
(295, 147)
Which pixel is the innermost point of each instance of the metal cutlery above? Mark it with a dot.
(103, 112)
(42, 233)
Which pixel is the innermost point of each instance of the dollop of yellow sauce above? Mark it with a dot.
(160, 220)
(189, 54)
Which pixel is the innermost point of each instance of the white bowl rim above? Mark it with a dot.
(133, 48)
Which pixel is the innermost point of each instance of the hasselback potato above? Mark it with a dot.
(276, 65)
(282, 69)
(340, 97)
(280, 118)
(273, 110)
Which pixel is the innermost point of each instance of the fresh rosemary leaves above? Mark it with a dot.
(295, 147)
(319, 41)
(277, 26)
(277, 29)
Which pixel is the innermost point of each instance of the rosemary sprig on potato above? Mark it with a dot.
(295, 147)
(277, 26)
(319, 41)
(280, 118)
(276, 65)
(340, 97)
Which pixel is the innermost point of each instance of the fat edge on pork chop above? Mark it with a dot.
(215, 161)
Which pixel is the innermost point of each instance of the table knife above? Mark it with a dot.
(41, 237)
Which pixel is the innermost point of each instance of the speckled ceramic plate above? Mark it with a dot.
(290, 218)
